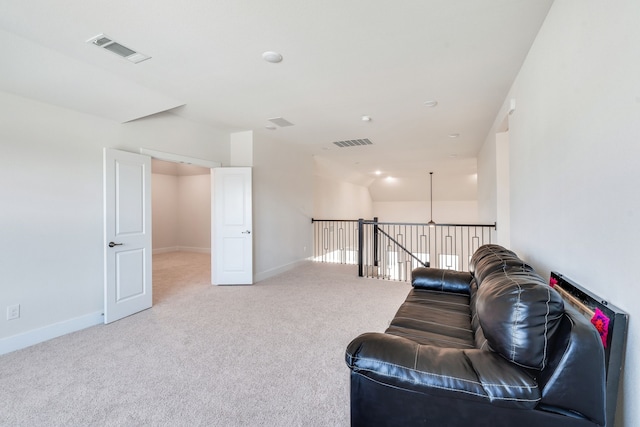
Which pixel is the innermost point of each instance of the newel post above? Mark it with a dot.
(360, 247)
(375, 241)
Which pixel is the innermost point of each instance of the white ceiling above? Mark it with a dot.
(342, 59)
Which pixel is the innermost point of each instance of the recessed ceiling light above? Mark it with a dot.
(454, 135)
(431, 103)
(270, 127)
(378, 172)
(273, 57)
(366, 118)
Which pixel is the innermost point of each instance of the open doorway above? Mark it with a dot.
(181, 223)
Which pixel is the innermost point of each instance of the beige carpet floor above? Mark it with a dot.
(271, 354)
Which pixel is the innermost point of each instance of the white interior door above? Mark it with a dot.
(231, 226)
(127, 234)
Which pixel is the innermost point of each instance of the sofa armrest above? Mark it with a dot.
(436, 279)
(576, 379)
(446, 372)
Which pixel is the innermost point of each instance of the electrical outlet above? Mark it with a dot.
(13, 312)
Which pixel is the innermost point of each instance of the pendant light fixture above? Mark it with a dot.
(431, 223)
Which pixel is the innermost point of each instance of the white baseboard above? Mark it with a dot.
(181, 249)
(36, 336)
(278, 270)
(165, 250)
(194, 249)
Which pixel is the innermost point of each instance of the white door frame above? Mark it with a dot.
(177, 158)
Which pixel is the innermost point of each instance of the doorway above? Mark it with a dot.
(181, 227)
(128, 192)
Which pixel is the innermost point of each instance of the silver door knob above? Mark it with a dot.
(246, 232)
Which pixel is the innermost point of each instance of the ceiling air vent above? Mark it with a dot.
(280, 122)
(353, 143)
(109, 44)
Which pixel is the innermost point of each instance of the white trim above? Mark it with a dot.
(177, 158)
(279, 270)
(182, 249)
(36, 336)
(165, 250)
(194, 249)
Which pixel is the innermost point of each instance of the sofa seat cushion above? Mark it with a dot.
(437, 318)
(468, 374)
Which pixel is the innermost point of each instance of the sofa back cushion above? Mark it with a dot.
(519, 313)
(437, 279)
(493, 258)
(489, 250)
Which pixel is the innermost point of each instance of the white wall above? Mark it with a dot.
(444, 212)
(503, 189)
(487, 181)
(181, 209)
(340, 200)
(51, 257)
(494, 197)
(282, 206)
(194, 213)
(574, 159)
(164, 211)
(241, 148)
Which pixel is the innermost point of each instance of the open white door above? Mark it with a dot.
(231, 226)
(127, 234)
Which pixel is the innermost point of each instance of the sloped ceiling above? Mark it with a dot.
(41, 73)
(342, 60)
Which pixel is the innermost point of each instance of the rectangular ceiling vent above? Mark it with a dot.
(106, 42)
(280, 122)
(353, 143)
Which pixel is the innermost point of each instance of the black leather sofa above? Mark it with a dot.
(493, 347)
